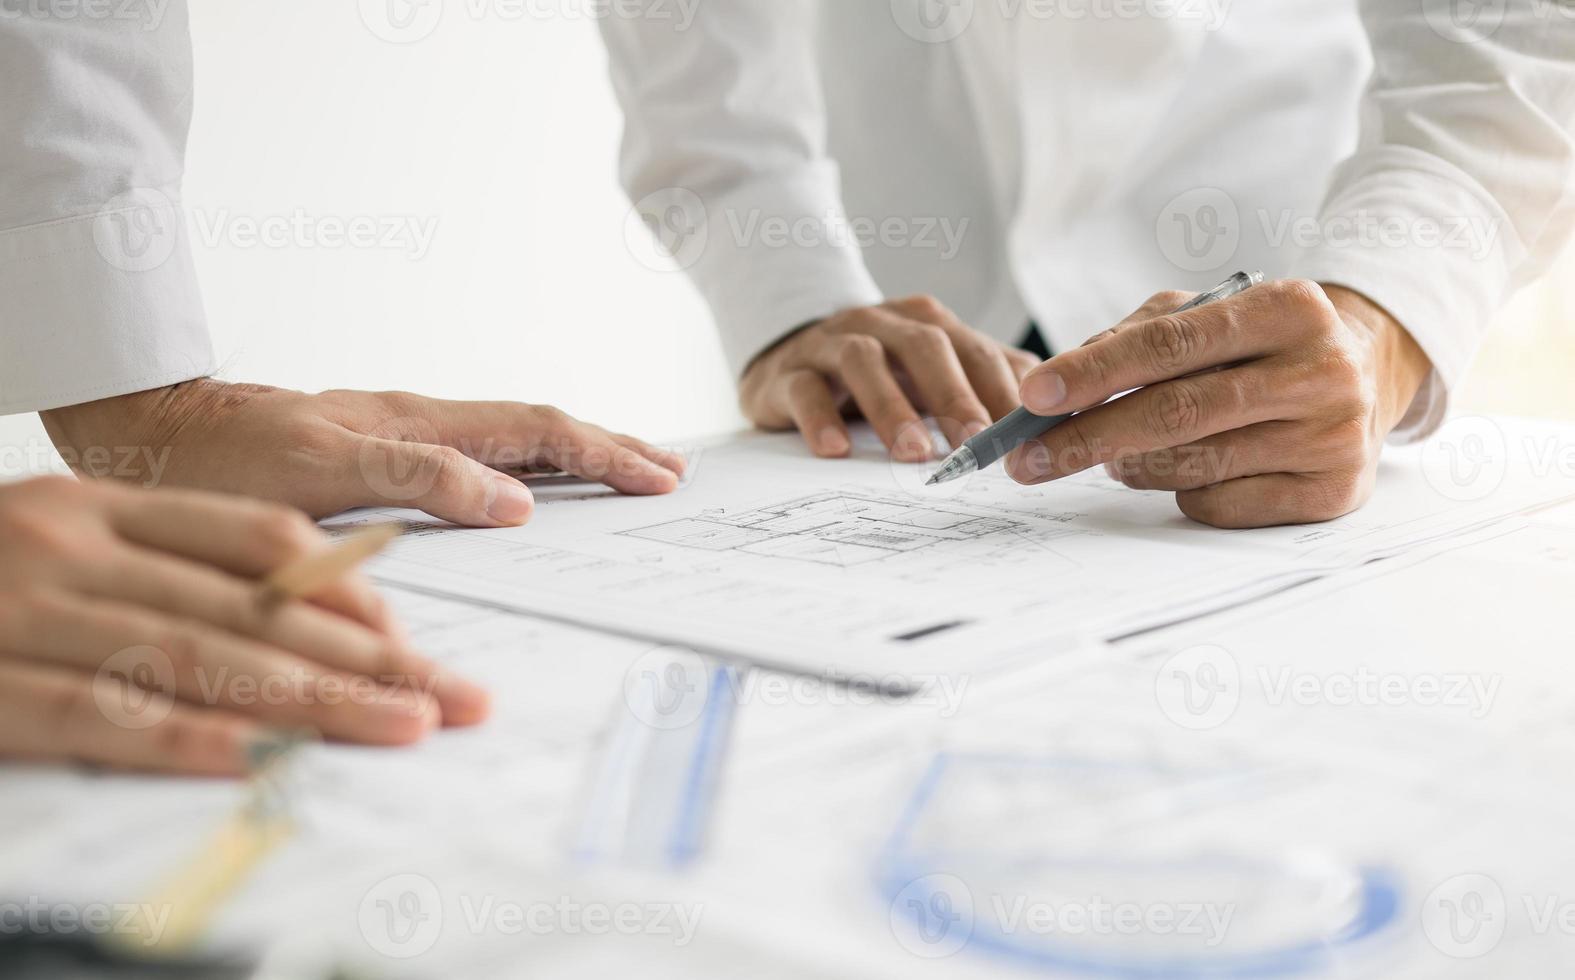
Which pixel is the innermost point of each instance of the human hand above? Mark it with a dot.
(131, 635)
(337, 450)
(889, 363)
(1267, 408)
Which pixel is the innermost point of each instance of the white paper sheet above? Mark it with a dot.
(479, 824)
(854, 567)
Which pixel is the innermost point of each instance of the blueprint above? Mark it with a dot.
(854, 567)
(840, 529)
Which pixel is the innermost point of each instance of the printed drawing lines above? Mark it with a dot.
(836, 528)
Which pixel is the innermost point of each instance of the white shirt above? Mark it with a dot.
(98, 295)
(1029, 160)
(1084, 154)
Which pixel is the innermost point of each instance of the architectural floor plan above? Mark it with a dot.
(836, 528)
(855, 566)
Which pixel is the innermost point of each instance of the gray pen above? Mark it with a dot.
(1022, 425)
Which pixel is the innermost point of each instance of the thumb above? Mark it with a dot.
(442, 481)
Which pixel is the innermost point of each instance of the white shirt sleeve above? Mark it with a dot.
(1463, 185)
(98, 295)
(724, 154)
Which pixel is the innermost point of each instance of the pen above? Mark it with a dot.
(1022, 425)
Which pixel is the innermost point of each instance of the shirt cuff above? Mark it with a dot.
(1407, 230)
(97, 306)
(779, 254)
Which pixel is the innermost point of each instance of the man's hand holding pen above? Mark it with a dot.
(170, 630)
(1267, 408)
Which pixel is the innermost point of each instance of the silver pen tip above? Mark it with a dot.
(958, 464)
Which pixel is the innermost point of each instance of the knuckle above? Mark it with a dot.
(1301, 294)
(1172, 342)
(406, 403)
(1097, 367)
(1341, 369)
(858, 350)
(179, 738)
(1079, 449)
(343, 397)
(182, 643)
(281, 531)
(387, 664)
(931, 340)
(924, 307)
(1347, 386)
(548, 419)
(1239, 393)
(982, 350)
(1175, 410)
(1350, 443)
(1336, 496)
(1165, 301)
(72, 707)
(805, 388)
(1107, 334)
(448, 467)
(552, 415)
(853, 321)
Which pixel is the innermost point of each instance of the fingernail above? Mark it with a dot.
(834, 443)
(1044, 393)
(637, 473)
(1029, 464)
(509, 501)
(676, 462)
(464, 702)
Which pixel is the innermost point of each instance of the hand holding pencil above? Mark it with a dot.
(186, 632)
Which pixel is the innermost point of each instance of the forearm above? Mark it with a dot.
(1461, 189)
(724, 151)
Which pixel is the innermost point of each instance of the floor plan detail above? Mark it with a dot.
(841, 529)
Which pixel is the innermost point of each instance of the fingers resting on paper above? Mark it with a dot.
(330, 452)
(895, 365)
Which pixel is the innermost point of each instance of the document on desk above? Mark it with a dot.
(854, 567)
(447, 830)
